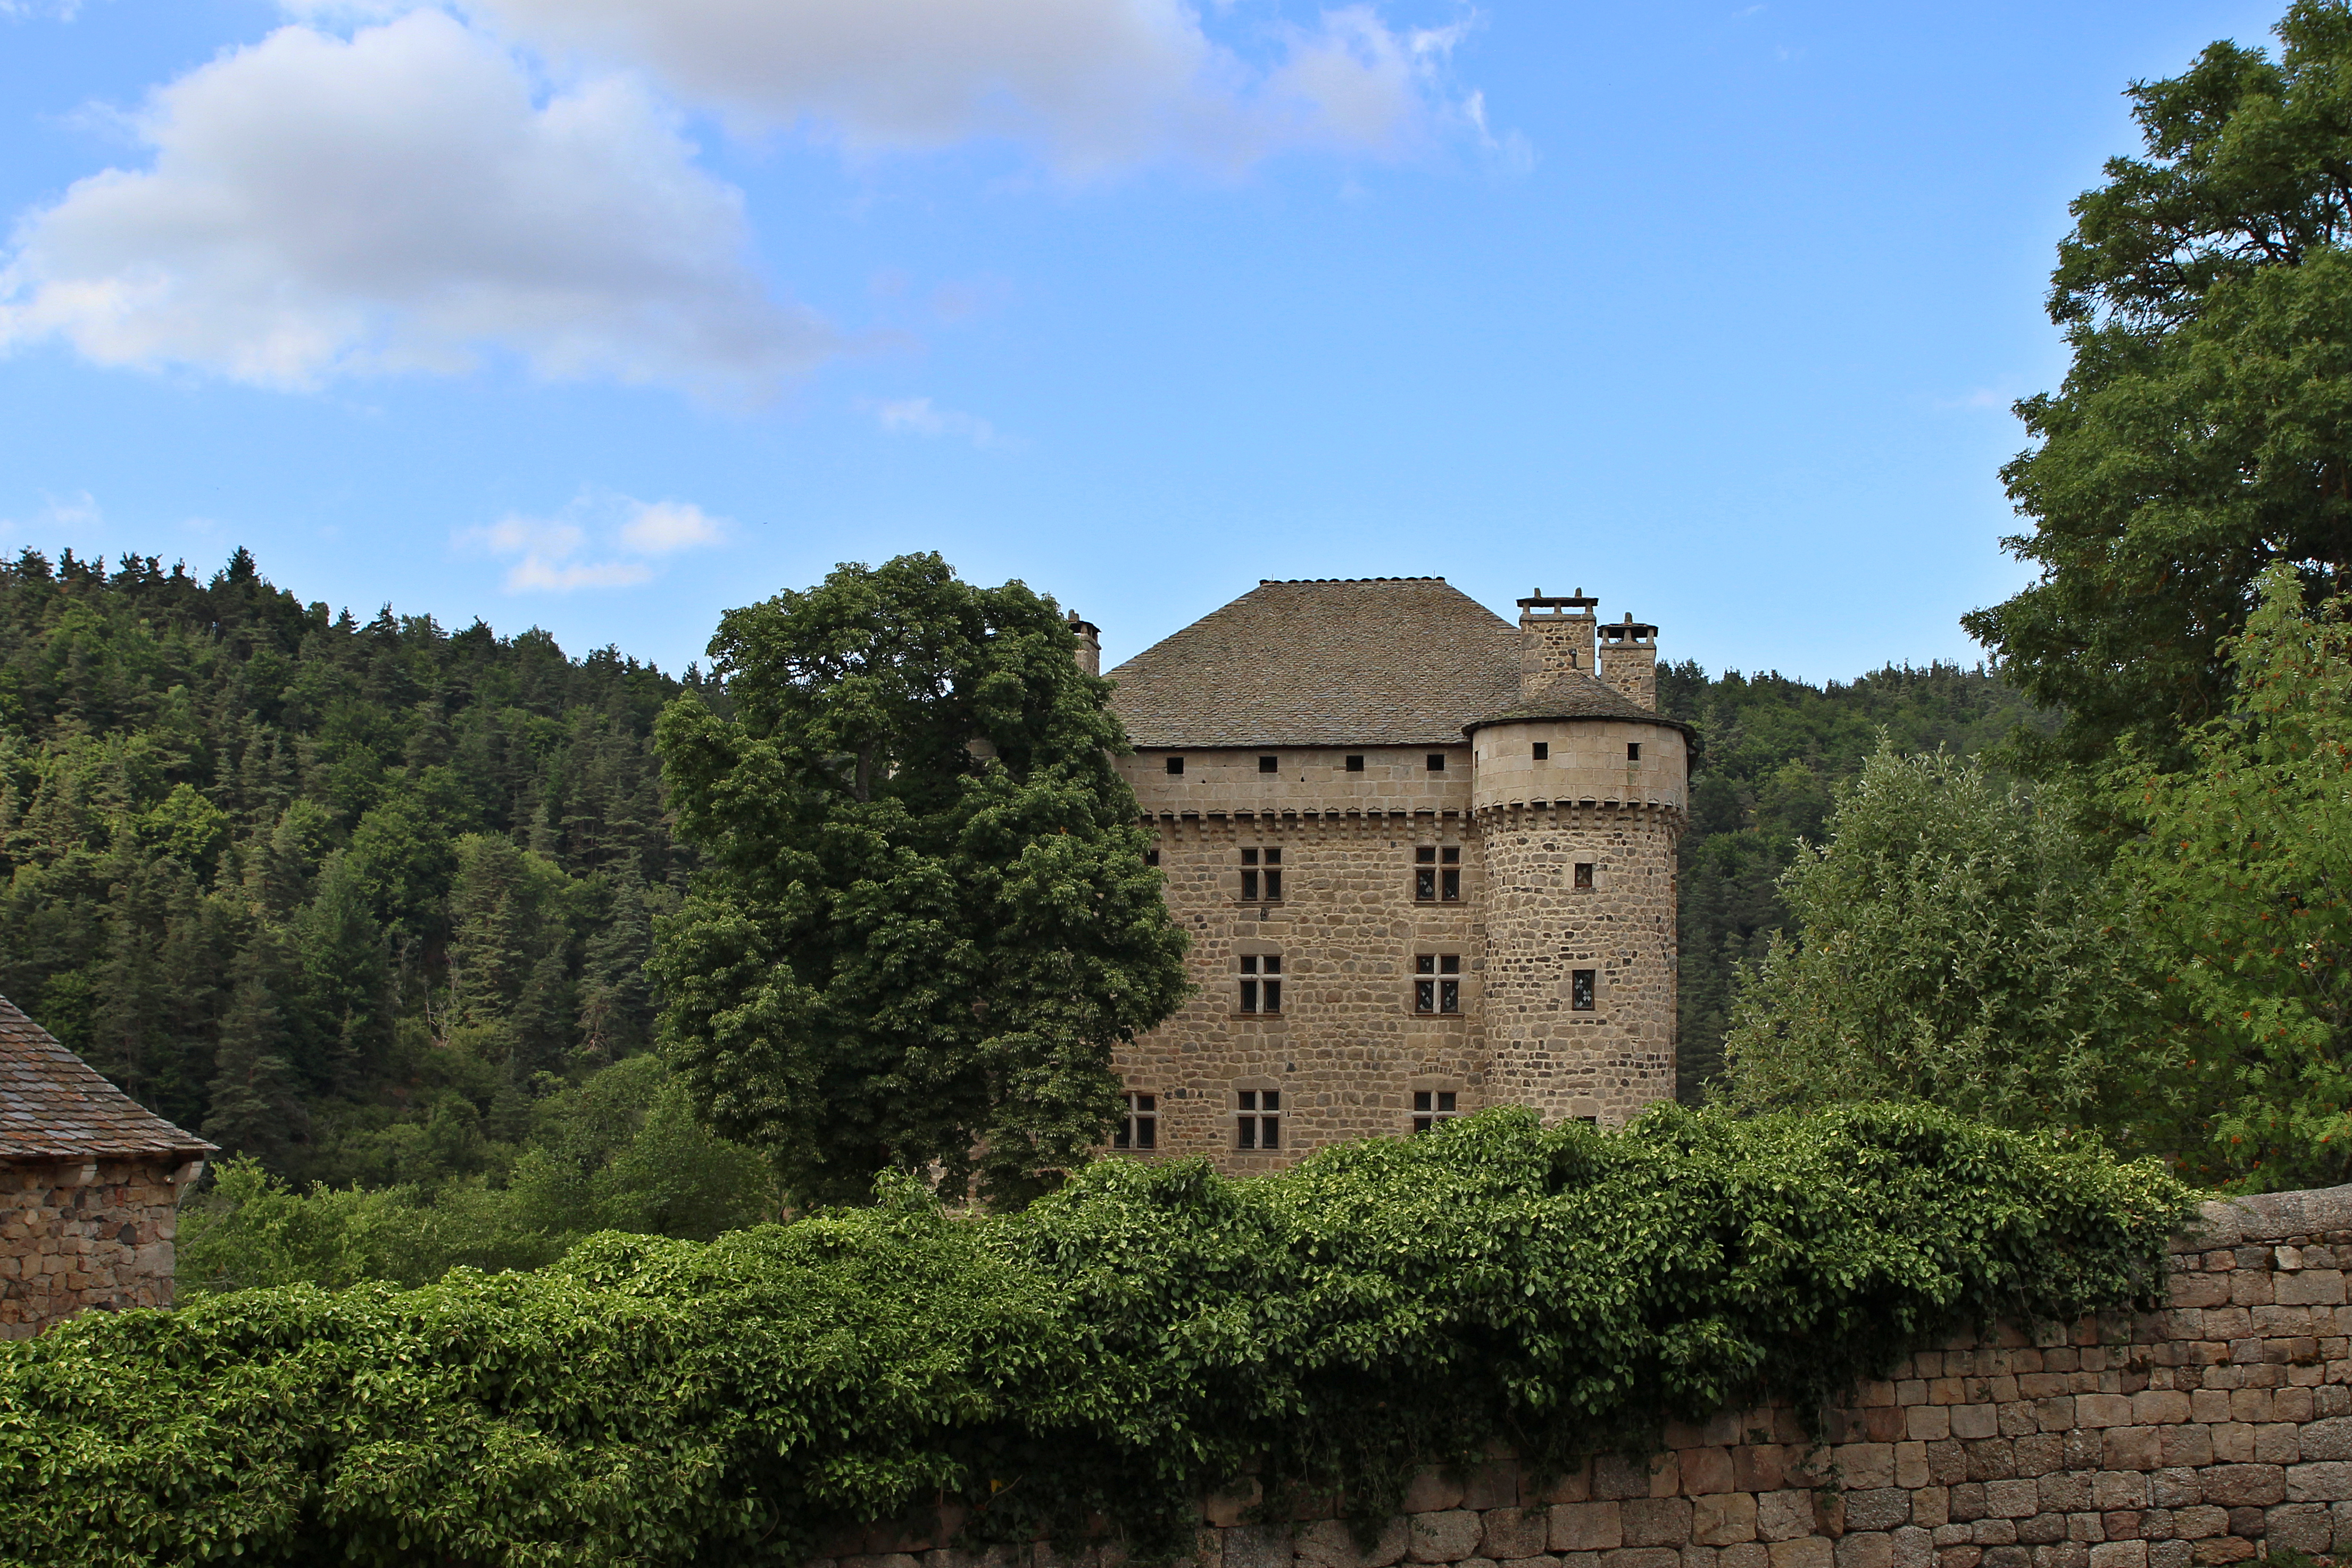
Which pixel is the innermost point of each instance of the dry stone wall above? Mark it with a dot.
(82, 1233)
(2213, 1432)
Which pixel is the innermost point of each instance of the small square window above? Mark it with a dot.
(1355, 765)
(1543, 751)
(1431, 1106)
(1269, 765)
(1259, 1123)
(1584, 875)
(1151, 857)
(1633, 751)
(1426, 855)
(1451, 855)
(1579, 989)
(1175, 765)
(1139, 1125)
(1249, 857)
(1437, 762)
(1449, 964)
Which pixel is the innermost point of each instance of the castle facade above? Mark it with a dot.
(1427, 858)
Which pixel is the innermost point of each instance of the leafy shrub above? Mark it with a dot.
(1117, 1348)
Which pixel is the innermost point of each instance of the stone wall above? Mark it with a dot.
(82, 1233)
(2212, 1433)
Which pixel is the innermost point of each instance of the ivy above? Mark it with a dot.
(1146, 1334)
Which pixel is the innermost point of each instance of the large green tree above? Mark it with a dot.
(2204, 430)
(2235, 892)
(1952, 946)
(923, 918)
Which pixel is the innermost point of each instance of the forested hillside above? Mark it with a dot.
(348, 895)
(1766, 755)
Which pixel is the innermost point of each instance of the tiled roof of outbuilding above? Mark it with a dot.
(1383, 661)
(54, 1106)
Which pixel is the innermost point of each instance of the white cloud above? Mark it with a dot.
(78, 516)
(917, 416)
(399, 201)
(662, 527)
(548, 549)
(1096, 84)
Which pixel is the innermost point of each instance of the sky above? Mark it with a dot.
(604, 316)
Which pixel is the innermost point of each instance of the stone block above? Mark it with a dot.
(2330, 1439)
(1617, 1477)
(1706, 1470)
(2175, 1488)
(2215, 1550)
(1723, 1519)
(1431, 1491)
(1513, 1533)
(1928, 1423)
(1656, 1520)
(1861, 1466)
(1447, 1537)
(2132, 1448)
(1991, 1459)
(1864, 1549)
(1879, 1509)
(2311, 1288)
(2065, 1490)
(2170, 1554)
(2254, 1486)
(2189, 1445)
(1749, 1554)
(1994, 1533)
(1495, 1484)
(1911, 1465)
(1329, 1543)
(2120, 1554)
(2112, 1490)
(1642, 1557)
(2159, 1407)
(2298, 1527)
(2041, 1530)
(2329, 1480)
(2279, 1443)
(1586, 1527)
(2196, 1523)
(1270, 1546)
(1802, 1551)
(1756, 1467)
(2012, 1500)
(1931, 1506)
(1958, 1556)
(1913, 1548)
(1784, 1516)
(2097, 1410)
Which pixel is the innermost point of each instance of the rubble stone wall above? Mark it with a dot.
(2214, 1432)
(82, 1234)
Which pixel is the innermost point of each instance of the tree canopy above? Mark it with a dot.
(2202, 432)
(923, 918)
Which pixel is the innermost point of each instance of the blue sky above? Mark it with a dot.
(606, 315)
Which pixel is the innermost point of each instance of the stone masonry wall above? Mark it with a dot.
(82, 1233)
(1609, 1061)
(1348, 1050)
(2212, 1433)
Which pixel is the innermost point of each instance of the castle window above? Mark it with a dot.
(1431, 1106)
(1261, 992)
(1437, 874)
(1269, 765)
(1254, 890)
(1258, 1124)
(1584, 876)
(1437, 762)
(1151, 857)
(1633, 751)
(1543, 751)
(1449, 875)
(1139, 1125)
(1175, 765)
(1355, 765)
(1437, 987)
(1579, 989)
(1424, 875)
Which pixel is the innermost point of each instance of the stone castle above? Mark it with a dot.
(1426, 859)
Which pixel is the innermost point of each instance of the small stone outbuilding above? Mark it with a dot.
(89, 1187)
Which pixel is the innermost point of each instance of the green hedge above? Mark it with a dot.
(1116, 1349)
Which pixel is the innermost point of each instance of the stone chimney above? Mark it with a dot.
(1629, 661)
(1555, 636)
(1089, 637)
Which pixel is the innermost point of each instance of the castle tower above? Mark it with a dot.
(1555, 638)
(1578, 797)
(1629, 661)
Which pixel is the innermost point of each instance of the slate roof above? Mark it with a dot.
(54, 1106)
(1575, 694)
(1378, 661)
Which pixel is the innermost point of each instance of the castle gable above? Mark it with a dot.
(54, 1106)
(1334, 662)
